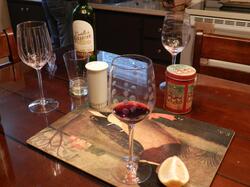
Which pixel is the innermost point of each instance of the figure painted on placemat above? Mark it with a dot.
(101, 139)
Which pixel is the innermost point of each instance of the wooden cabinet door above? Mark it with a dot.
(152, 46)
(25, 11)
(118, 32)
(154, 50)
(153, 26)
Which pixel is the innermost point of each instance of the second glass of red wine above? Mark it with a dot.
(132, 98)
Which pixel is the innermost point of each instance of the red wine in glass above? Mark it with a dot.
(131, 111)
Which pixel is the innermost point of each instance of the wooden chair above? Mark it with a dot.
(223, 48)
(9, 60)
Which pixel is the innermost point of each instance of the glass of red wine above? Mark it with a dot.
(132, 98)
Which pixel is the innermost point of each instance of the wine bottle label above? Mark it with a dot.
(83, 36)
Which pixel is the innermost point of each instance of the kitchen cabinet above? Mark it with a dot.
(123, 33)
(20, 11)
(152, 46)
(117, 32)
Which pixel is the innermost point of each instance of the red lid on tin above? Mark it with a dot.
(181, 72)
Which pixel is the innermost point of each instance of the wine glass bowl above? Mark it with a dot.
(34, 47)
(132, 98)
(175, 33)
(35, 50)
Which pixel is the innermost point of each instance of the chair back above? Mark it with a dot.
(12, 45)
(9, 59)
(222, 48)
(4, 47)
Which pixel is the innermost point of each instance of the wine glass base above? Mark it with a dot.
(43, 107)
(121, 174)
(163, 85)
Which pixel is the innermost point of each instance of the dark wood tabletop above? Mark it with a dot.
(220, 102)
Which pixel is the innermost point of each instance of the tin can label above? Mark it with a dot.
(175, 96)
(179, 92)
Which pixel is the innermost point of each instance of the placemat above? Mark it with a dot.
(95, 141)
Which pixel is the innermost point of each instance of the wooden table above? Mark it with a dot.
(221, 102)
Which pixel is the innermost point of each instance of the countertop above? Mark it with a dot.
(148, 7)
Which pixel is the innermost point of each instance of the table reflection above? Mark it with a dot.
(6, 169)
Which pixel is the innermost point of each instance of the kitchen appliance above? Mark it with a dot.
(224, 18)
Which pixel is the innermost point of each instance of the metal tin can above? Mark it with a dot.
(180, 84)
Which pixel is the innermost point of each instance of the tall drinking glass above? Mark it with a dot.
(35, 50)
(175, 34)
(132, 98)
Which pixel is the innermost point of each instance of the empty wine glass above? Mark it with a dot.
(132, 98)
(35, 50)
(175, 34)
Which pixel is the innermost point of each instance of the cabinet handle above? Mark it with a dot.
(27, 9)
(159, 29)
(159, 51)
(22, 9)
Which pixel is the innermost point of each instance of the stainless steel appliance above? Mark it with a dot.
(226, 19)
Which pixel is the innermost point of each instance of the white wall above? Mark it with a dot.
(4, 15)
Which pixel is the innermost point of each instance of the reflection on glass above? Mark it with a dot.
(6, 169)
(76, 102)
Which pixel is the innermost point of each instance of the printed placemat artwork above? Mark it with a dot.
(94, 142)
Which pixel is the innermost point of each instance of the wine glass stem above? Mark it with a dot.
(173, 59)
(130, 141)
(40, 83)
(131, 165)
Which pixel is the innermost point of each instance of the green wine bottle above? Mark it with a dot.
(84, 29)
